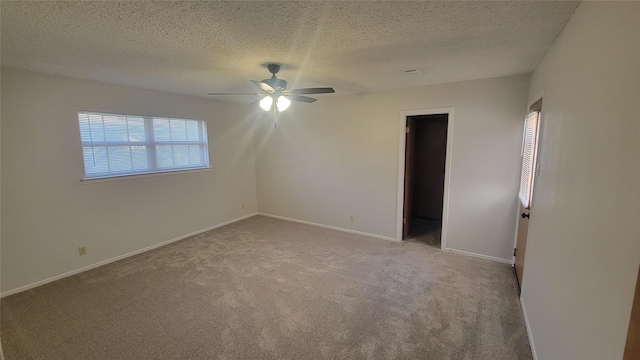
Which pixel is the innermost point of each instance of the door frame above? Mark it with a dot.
(447, 168)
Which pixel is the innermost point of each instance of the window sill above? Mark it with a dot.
(139, 176)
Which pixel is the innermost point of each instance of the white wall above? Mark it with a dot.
(1, 352)
(339, 157)
(47, 213)
(583, 247)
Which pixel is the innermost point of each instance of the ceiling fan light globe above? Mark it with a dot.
(283, 103)
(266, 103)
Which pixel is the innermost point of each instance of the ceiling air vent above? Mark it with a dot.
(413, 72)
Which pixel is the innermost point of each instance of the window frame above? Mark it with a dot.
(150, 144)
(529, 168)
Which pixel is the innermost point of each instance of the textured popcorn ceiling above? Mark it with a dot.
(199, 47)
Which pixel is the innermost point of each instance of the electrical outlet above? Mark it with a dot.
(82, 250)
(352, 218)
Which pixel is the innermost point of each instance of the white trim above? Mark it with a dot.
(120, 257)
(330, 227)
(447, 169)
(481, 256)
(94, 112)
(528, 326)
(140, 176)
(539, 96)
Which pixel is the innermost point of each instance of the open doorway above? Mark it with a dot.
(424, 178)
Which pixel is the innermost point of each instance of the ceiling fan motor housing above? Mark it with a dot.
(273, 68)
(275, 83)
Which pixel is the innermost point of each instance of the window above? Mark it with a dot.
(529, 154)
(121, 145)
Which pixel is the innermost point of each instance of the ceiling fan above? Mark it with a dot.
(275, 90)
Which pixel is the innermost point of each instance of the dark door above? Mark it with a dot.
(632, 349)
(408, 175)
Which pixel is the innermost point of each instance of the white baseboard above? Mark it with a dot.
(486, 257)
(331, 227)
(528, 326)
(120, 257)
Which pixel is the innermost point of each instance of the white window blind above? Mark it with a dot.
(121, 145)
(529, 153)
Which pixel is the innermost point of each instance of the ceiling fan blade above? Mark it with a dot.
(225, 94)
(264, 86)
(304, 99)
(320, 90)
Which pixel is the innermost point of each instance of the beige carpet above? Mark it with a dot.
(264, 288)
